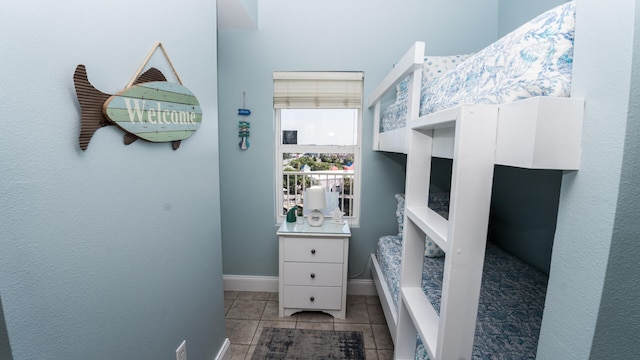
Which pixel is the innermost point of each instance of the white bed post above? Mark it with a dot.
(418, 167)
(413, 102)
(376, 126)
(463, 238)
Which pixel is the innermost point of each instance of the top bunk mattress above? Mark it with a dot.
(534, 60)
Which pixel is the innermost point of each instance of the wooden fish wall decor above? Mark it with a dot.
(150, 108)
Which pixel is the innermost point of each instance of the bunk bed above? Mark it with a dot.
(511, 299)
(508, 104)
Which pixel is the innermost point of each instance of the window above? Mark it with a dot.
(318, 130)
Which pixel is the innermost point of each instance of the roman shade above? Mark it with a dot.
(317, 90)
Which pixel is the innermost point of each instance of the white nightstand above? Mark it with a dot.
(313, 268)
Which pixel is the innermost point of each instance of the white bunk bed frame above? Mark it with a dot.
(535, 133)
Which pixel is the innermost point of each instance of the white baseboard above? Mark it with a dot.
(250, 283)
(361, 287)
(224, 353)
(270, 284)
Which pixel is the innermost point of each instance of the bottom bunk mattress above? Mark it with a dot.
(510, 306)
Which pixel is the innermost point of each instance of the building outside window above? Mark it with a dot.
(318, 130)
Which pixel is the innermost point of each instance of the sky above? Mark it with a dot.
(321, 126)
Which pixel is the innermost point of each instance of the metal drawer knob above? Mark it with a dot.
(313, 251)
(312, 299)
(313, 276)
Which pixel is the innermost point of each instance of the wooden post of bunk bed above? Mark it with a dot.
(449, 334)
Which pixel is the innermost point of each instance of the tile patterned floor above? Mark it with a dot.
(246, 313)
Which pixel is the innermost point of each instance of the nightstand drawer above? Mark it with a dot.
(313, 249)
(312, 274)
(312, 297)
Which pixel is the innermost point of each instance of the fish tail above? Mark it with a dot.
(91, 101)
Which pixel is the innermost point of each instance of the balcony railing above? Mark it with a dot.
(340, 182)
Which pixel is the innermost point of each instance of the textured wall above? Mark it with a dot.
(114, 252)
(618, 324)
(589, 202)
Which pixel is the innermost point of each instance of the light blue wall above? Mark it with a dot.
(514, 13)
(618, 323)
(114, 252)
(251, 7)
(360, 35)
(591, 215)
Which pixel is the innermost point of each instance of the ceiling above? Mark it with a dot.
(233, 14)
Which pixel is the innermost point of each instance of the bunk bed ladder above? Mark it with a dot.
(449, 334)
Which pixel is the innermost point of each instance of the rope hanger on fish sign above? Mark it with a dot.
(149, 107)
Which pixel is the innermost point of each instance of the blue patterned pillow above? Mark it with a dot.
(394, 116)
(533, 60)
(400, 213)
(435, 66)
(438, 202)
(432, 67)
(402, 90)
(431, 249)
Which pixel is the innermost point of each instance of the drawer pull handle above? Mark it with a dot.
(313, 276)
(313, 251)
(312, 299)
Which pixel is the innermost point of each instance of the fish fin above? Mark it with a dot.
(175, 144)
(129, 138)
(150, 75)
(91, 101)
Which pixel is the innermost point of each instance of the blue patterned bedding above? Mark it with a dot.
(394, 116)
(389, 254)
(534, 60)
(511, 299)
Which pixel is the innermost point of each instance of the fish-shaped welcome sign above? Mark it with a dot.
(151, 109)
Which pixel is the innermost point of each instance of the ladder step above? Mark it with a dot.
(424, 316)
(431, 223)
(437, 120)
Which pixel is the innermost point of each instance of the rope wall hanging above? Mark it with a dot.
(149, 107)
(244, 125)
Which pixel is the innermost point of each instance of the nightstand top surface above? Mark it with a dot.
(326, 228)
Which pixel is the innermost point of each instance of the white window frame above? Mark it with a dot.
(281, 149)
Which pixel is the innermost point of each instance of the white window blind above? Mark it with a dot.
(317, 90)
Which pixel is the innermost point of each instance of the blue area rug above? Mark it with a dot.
(278, 343)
